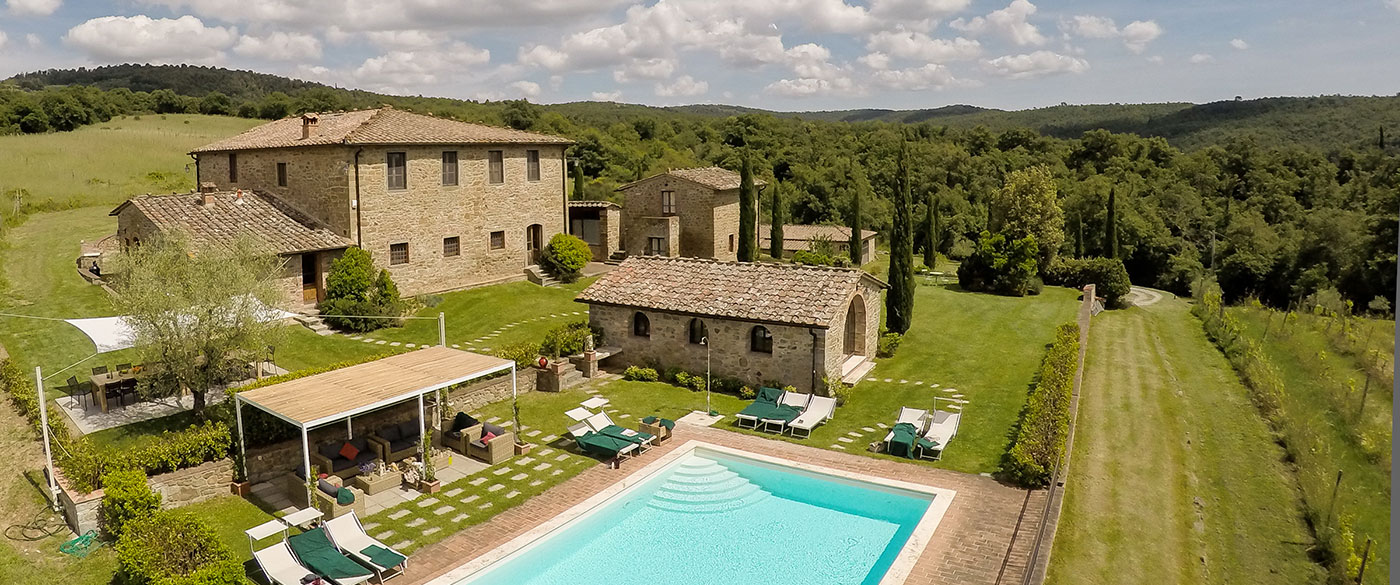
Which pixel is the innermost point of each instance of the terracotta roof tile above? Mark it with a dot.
(588, 203)
(281, 228)
(766, 292)
(719, 179)
(381, 126)
(795, 237)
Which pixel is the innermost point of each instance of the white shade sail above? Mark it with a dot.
(114, 333)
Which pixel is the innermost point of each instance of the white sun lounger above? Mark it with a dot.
(943, 426)
(796, 400)
(600, 421)
(348, 535)
(580, 429)
(280, 565)
(913, 416)
(818, 411)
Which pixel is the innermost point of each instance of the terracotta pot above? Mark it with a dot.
(240, 488)
(523, 448)
(430, 487)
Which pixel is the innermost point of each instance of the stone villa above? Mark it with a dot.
(442, 204)
(799, 237)
(690, 213)
(762, 321)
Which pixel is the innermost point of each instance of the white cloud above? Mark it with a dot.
(1241, 45)
(418, 68)
(918, 46)
(1035, 64)
(607, 96)
(1010, 22)
(280, 46)
(916, 14)
(1393, 4)
(650, 69)
(683, 86)
(1156, 59)
(1137, 34)
(929, 76)
(876, 60)
(142, 38)
(1199, 58)
(407, 40)
(33, 41)
(3, 39)
(555, 82)
(388, 15)
(528, 89)
(811, 86)
(33, 7)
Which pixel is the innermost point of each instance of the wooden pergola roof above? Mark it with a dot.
(327, 397)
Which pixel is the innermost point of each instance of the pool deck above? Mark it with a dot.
(984, 538)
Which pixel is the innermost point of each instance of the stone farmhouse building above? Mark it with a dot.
(442, 204)
(691, 213)
(799, 237)
(599, 224)
(761, 321)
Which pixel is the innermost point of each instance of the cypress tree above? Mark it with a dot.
(855, 223)
(931, 238)
(748, 248)
(1382, 141)
(899, 301)
(775, 230)
(578, 181)
(1111, 229)
(1079, 240)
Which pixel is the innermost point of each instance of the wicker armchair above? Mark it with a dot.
(327, 505)
(501, 448)
(396, 442)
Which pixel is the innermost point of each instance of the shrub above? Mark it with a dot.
(889, 343)
(1040, 437)
(1108, 275)
(812, 258)
(567, 339)
(747, 393)
(681, 378)
(524, 354)
(175, 548)
(1000, 265)
(842, 393)
(350, 276)
(639, 374)
(354, 289)
(565, 257)
(727, 385)
(127, 498)
(672, 374)
(697, 383)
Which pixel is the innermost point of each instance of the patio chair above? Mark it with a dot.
(909, 425)
(280, 566)
(455, 435)
(789, 407)
(99, 370)
(592, 443)
(113, 392)
(123, 367)
(327, 498)
(763, 405)
(602, 424)
(77, 390)
(818, 411)
(347, 534)
(128, 388)
(499, 448)
(943, 426)
(315, 551)
(396, 442)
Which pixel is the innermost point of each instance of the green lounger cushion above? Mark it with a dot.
(902, 443)
(318, 554)
(928, 444)
(618, 432)
(665, 422)
(383, 557)
(344, 497)
(602, 444)
(758, 409)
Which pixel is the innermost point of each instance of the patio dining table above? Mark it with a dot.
(101, 381)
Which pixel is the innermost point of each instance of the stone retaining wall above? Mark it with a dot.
(193, 485)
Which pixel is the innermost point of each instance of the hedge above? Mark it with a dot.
(1044, 425)
(1108, 275)
(25, 397)
(127, 497)
(169, 547)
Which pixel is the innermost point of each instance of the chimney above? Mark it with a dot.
(238, 197)
(208, 187)
(206, 199)
(309, 126)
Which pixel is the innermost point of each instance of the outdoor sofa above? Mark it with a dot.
(455, 435)
(395, 443)
(331, 502)
(330, 457)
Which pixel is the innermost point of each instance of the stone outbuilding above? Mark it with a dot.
(210, 218)
(442, 204)
(759, 322)
(690, 213)
(599, 223)
(800, 237)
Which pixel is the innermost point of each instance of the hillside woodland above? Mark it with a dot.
(1277, 199)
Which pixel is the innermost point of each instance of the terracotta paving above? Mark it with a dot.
(985, 537)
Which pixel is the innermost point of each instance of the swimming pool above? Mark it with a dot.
(707, 514)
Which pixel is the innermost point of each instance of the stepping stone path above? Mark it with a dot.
(541, 467)
(502, 471)
(452, 493)
(427, 502)
(519, 476)
(470, 499)
(384, 535)
(536, 482)
(459, 518)
(845, 439)
(370, 526)
(395, 344)
(562, 457)
(431, 530)
(837, 446)
(548, 439)
(495, 488)
(443, 510)
(546, 451)
(416, 522)
(484, 506)
(524, 460)
(867, 429)
(398, 514)
(512, 494)
(534, 433)
(853, 434)
(477, 481)
(401, 545)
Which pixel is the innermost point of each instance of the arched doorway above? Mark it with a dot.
(533, 236)
(855, 328)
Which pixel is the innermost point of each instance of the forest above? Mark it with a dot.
(1277, 220)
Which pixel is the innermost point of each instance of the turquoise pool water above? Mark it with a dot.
(712, 518)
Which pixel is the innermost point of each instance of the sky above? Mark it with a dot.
(788, 55)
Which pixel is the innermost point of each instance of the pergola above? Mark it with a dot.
(329, 397)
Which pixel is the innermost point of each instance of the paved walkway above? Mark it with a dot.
(984, 538)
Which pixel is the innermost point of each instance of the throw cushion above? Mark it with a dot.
(327, 487)
(486, 438)
(360, 443)
(462, 421)
(493, 429)
(408, 429)
(329, 450)
(344, 497)
(349, 451)
(390, 433)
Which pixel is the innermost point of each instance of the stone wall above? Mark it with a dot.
(427, 212)
(707, 218)
(794, 348)
(834, 354)
(193, 485)
(641, 228)
(472, 397)
(610, 232)
(319, 180)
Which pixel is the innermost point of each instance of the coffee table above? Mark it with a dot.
(374, 483)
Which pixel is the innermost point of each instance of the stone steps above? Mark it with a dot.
(311, 319)
(538, 276)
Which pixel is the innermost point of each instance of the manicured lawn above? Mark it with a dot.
(529, 309)
(229, 516)
(1175, 478)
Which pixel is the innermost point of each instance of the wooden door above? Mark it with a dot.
(309, 278)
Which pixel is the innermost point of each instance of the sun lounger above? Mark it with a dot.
(315, 551)
(790, 405)
(818, 411)
(602, 424)
(597, 444)
(347, 534)
(943, 426)
(761, 407)
(280, 565)
(897, 442)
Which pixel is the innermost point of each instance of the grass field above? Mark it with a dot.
(473, 313)
(1175, 478)
(1317, 391)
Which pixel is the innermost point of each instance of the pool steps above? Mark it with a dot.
(703, 486)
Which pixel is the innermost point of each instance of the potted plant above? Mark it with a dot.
(523, 448)
(240, 486)
(429, 483)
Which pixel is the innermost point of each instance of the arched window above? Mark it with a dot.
(697, 331)
(761, 340)
(641, 325)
